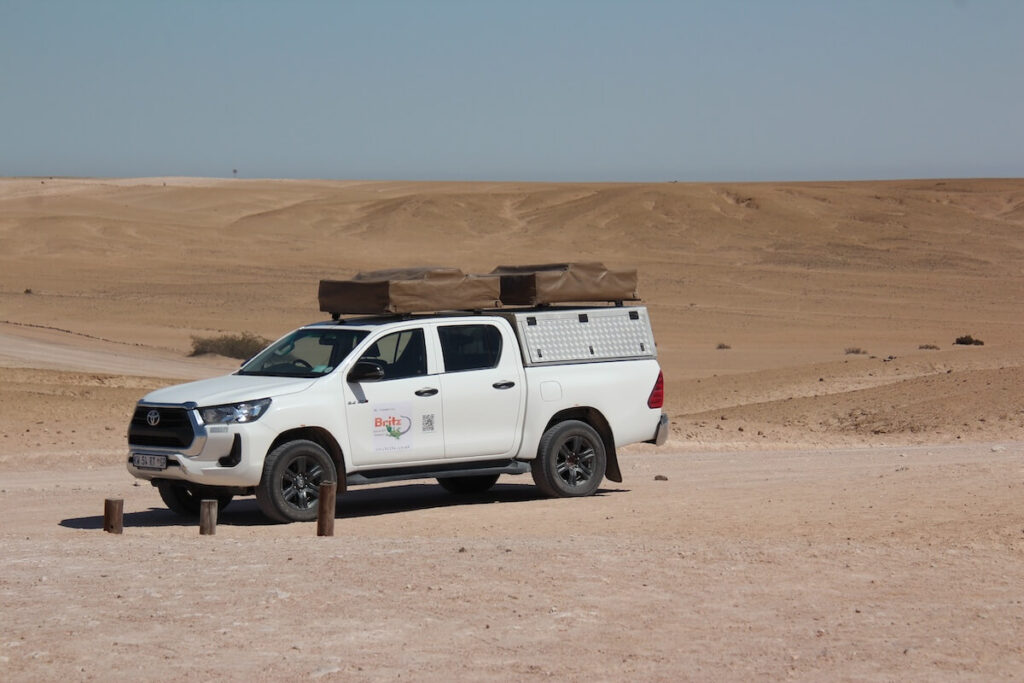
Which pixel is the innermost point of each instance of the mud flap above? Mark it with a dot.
(611, 468)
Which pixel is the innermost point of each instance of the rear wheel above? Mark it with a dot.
(468, 485)
(185, 499)
(290, 488)
(570, 461)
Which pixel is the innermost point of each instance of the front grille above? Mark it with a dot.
(174, 430)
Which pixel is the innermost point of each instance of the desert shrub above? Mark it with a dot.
(243, 345)
(968, 340)
(928, 347)
(722, 346)
(855, 350)
(28, 291)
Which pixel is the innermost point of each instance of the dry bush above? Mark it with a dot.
(928, 347)
(968, 340)
(855, 350)
(722, 346)
(242, 346)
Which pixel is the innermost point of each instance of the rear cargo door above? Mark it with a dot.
(482, 389)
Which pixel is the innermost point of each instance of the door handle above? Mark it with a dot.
(503, 385)
(429, 391)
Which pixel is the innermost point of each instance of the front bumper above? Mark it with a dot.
(217, 456)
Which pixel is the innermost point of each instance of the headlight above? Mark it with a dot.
(249, 411)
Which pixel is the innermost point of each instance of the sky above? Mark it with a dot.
(530, 90)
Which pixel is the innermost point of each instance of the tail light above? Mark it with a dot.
(657, 397)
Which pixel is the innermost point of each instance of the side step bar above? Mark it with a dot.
(461, 469)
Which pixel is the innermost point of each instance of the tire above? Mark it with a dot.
(570, 461)
(468, 485)
(184, 499)
(290, 487)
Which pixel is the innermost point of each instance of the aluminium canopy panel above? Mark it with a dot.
(585, 335)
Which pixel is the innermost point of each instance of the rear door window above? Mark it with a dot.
(469, 347)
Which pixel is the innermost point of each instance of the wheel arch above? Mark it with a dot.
(322, 438)
(595, 419)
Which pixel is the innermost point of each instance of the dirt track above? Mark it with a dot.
(872, 564)
(38, 347)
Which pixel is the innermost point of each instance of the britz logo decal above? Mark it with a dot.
(392, 427)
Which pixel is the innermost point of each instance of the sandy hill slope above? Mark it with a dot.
(791, 277)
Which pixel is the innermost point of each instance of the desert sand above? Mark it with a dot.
(841, 497)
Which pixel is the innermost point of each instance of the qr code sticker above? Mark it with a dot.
(428, 423)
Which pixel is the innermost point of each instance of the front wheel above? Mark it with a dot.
(290, 488)
(570, 461)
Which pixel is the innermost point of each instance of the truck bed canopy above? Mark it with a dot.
(412, 290)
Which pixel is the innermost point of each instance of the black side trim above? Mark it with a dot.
(445, 470)
(419, 469)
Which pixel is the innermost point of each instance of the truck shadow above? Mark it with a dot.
(355, 503)
(371, 502)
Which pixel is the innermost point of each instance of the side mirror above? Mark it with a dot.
(365, 371)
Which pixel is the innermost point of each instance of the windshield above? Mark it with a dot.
(310, 352)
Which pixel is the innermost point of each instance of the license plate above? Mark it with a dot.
(150, 462)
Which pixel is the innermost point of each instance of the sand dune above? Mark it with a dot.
(789, 276)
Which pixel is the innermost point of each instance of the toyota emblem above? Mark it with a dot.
(153, 418)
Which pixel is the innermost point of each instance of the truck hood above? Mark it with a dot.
(228, 389)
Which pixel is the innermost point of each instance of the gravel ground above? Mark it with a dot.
(871, 564)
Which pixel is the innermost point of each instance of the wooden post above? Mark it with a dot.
(325, 508)
(113, 515)
(207, 517)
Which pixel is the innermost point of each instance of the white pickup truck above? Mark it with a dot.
(460, 397)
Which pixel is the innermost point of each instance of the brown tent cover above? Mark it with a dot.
(551, 283)
(408, 290)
